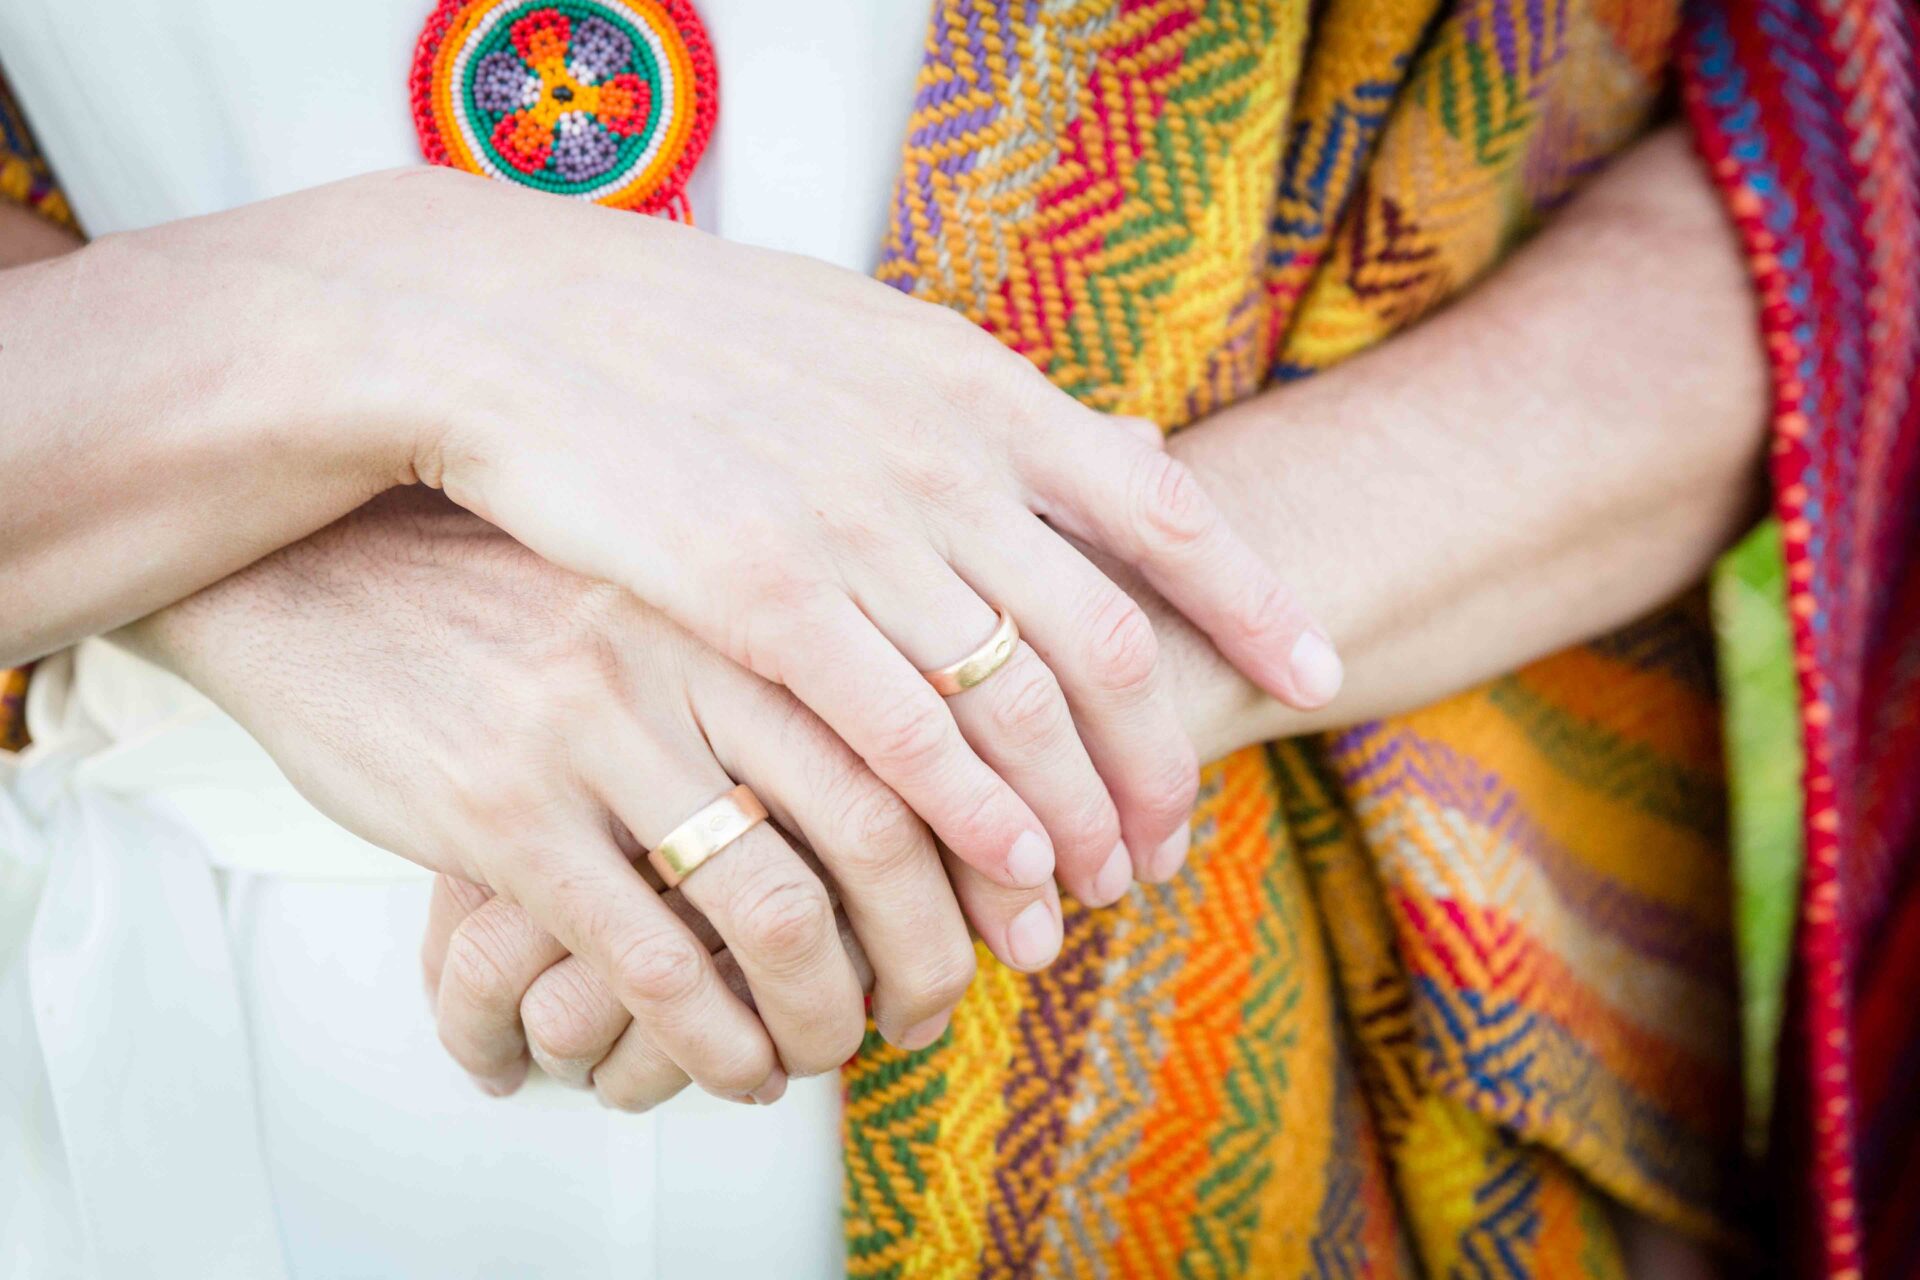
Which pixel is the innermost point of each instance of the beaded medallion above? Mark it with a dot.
(604, 100)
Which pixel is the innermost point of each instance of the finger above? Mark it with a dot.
(1112, 489)
(631, 1074)
(873, 848)
(573, 1024)
(834, 661)
(1101, 646)
(1021, 927)
(493, 956)
(771, 909)
(579, 885)
(572, 1021)
(1017, 718)
(451, 901)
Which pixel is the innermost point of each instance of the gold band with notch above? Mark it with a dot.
(958, 677)
(694, 842)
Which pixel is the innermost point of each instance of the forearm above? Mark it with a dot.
(172, 407)
(1564, 449)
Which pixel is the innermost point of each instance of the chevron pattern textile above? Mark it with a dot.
(1807, 112)
(1432, 990)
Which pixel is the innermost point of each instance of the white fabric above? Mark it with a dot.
(219, 1062)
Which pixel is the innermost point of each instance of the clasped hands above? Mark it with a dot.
(713, 541)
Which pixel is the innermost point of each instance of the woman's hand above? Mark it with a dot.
(445, 693)
(831, 483)
(836, 486)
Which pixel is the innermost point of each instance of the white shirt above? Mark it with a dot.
(218, 1058)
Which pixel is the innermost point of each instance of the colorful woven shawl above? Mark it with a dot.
(1434, 989)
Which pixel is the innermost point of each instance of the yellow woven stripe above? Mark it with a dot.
(1648, 708)
(1357, 48)
(1441, 205)
(1206, 344)
(938, 1231)
(1616, 836)
(952, 1230)
(13, 695)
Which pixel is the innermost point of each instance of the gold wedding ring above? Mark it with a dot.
(958, 677)
(694, 842)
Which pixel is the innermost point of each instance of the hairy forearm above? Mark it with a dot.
(1564, 449)
(167, 415)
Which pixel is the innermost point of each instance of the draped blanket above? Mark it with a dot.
(1434, 990)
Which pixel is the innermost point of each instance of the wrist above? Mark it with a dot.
(277, 366)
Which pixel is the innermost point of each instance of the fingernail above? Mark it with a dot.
(1317, 671)
(497, 1086)
(922, 1034)
(1030, 862)
(772, 1090)
(1034, 936)
(1168, 858)
(1110, 884)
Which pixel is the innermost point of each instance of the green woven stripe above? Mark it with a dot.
(1629, 772)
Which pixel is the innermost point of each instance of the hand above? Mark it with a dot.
(835, 486)
(445, 693)
(825, 480)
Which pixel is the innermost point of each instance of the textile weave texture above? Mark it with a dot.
(1432, 988)
(1807, 111)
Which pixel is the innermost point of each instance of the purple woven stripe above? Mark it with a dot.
(936, 92)
(1049, 1042)
(1396, 762)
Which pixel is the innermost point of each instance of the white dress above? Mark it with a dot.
(218, 1060)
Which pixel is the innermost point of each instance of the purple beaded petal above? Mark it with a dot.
(599, 50)
(583, 150)
(502, 83)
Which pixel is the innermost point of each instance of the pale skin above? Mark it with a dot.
(1566, 448)
(820, 480)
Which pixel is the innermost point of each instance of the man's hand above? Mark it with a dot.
(444, 693)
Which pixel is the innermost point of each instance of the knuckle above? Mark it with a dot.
(508, 796)
(1267, 611)
(944, 979)
(659, 972)
(1172, 784)
(566, 1016)
(942, 477)
(910, 733)
(740, 1068)
(784, 922)
(1092, 825)
(1122, 652)
(837, 1042)
(1173, 512)
(884, 837)
(1028, 708)
(475, 969)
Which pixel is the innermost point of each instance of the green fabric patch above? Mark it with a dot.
(1761, 710)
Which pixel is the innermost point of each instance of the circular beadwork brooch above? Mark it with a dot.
(604, 100)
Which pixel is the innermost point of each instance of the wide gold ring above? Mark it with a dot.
(694, 842)
(958, 677)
